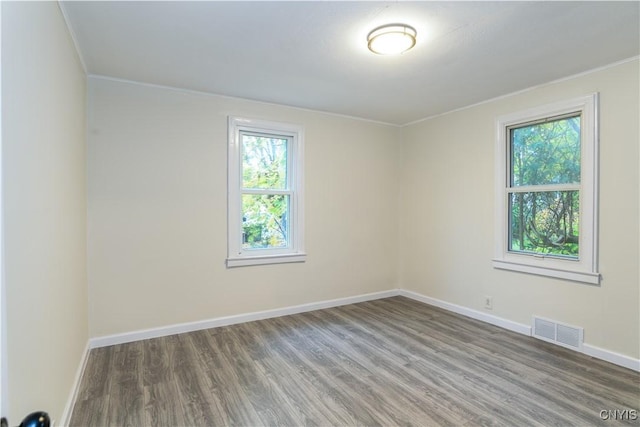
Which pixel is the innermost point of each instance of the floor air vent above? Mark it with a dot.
(558, 333)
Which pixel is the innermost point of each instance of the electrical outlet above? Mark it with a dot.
(488, 302)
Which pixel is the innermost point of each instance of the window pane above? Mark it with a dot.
(265, 221)
(546, 153)
(264, 161)
(544, 222)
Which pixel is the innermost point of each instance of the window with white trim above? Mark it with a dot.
(546, 191)
(265, 197)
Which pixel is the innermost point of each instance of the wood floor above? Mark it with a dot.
(386, 362)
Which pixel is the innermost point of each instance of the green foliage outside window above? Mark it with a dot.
(547, 155)
(264, 212)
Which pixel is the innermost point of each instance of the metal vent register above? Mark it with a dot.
(558, 333)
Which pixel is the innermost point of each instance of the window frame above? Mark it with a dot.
(237, 256)
(585, 268)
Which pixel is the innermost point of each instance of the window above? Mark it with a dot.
(546, 191)
(265, 206)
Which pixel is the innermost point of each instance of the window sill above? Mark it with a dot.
(576, 276)
(265, 259)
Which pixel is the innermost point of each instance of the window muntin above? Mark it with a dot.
(266, 190)
(546, 218)
(544, 208)
(265, 193)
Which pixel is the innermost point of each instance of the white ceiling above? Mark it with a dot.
(313, 54)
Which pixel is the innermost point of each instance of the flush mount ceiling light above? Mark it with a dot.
(392, 39)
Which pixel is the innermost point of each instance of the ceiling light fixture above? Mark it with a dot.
(392, 39)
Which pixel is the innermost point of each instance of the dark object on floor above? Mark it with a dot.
(36, 419)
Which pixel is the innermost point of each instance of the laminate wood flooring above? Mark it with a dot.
(387, 362)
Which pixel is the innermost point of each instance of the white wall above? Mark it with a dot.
(43, 154)
(157, 164)
(448, 206)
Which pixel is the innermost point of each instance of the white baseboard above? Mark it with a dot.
(232, 320)
(589, 350)
(474, 314)
(598, 353)
(75, 388)
(610, 356)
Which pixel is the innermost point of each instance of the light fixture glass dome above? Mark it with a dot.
(392, 39)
